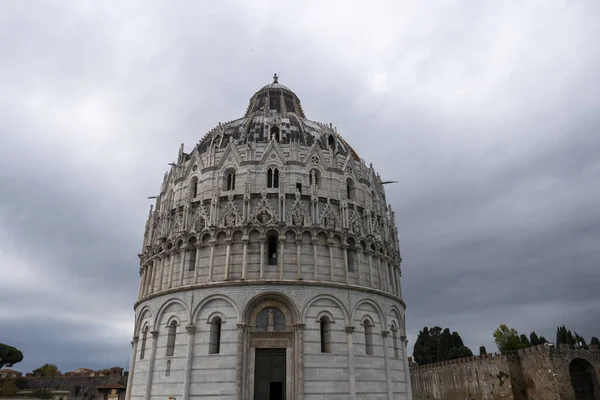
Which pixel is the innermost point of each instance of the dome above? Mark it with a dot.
(270, 268)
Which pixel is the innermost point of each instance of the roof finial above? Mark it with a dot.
(275, 78)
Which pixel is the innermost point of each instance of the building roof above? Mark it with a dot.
(111, 386)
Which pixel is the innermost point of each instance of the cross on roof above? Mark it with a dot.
(275, 78)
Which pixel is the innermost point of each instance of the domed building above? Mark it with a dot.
(270, 268)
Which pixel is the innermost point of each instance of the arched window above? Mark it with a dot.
(350, 189)
(144, 338)
(275, 133)
(395, 341)
(331, 142)
(325, 324)
(272, 178)
(194, 187)
(171, 338)
(168, 369)
(214, 344)
(272, 250)
(230, 180)
(192, 260)
(368, 337)
(350, 255)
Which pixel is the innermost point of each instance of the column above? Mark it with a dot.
(149, 289)
(393, 283)
(184, 250)
(330, 245)
(142, 280)
(380, 287)
(388, 373)
(244, 257)
(358, 263)
(191, 329)
(281, 250)
(315, 258)
(171, 269)
(160, 271)
(399, 282)
(406, 366)
(239, 363)
(298, 258)
(345, 251)
(351, 373)
(131, 368)
(197, 264)
(227, 257)
(370, 254)
(151, 365)
(262, 258)
(211, 263)
(299, 361)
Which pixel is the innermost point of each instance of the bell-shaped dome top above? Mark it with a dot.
(275, 98)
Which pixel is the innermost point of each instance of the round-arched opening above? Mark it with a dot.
(583, 379)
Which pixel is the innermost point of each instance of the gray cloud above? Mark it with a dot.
(484, 113)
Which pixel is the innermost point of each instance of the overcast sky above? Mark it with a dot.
(486, 113)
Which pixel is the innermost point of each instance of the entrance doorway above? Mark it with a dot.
(269, 374)
(584, 380)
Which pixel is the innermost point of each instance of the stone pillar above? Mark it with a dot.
(281, 258)
(330, 245)
(351, 372)
(358, 263)
(184, 250)
(299, 361)
(388, 373)
(227, 257)
(191, 329)
(171, 269)
(394, 285)
(261, 272)
(406, 367)
(244, 257)
(370, 255)
(298, 258)
(163, 259)
(399, 280)
(131, 368)
(239, 364)
(345, 251)
(197, 264)
(151, 365)
(150, 285)
(211, 264)
(143, 274)
(379, 285)
(315, 257)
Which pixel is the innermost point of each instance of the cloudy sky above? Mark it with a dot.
(486, 113)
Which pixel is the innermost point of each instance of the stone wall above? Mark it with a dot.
(536, 373)
(485, 377)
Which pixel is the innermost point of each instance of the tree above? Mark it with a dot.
(534, 339)
(482, 350)
(436, 344)
(595, 340)
(524, 341)
(47, 370)
(9, 356)
(542, 340)
(507, 338)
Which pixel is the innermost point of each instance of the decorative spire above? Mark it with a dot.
(275, 78)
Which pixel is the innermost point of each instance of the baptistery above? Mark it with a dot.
(270, 268)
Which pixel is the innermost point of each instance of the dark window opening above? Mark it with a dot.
(331, 142)
(350, 253)
(325, 335)
(272, 178)
(272, 250)
(275, 133)
(214, 345)
(143, 349)
(171, 338)
(192, 260)
(299, 187)
(231, 181)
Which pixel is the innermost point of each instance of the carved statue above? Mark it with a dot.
(271, 319)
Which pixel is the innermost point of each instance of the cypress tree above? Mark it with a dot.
(444, 345)
(524, 341)
(533, 339)
(595, 340)
(482, 350)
